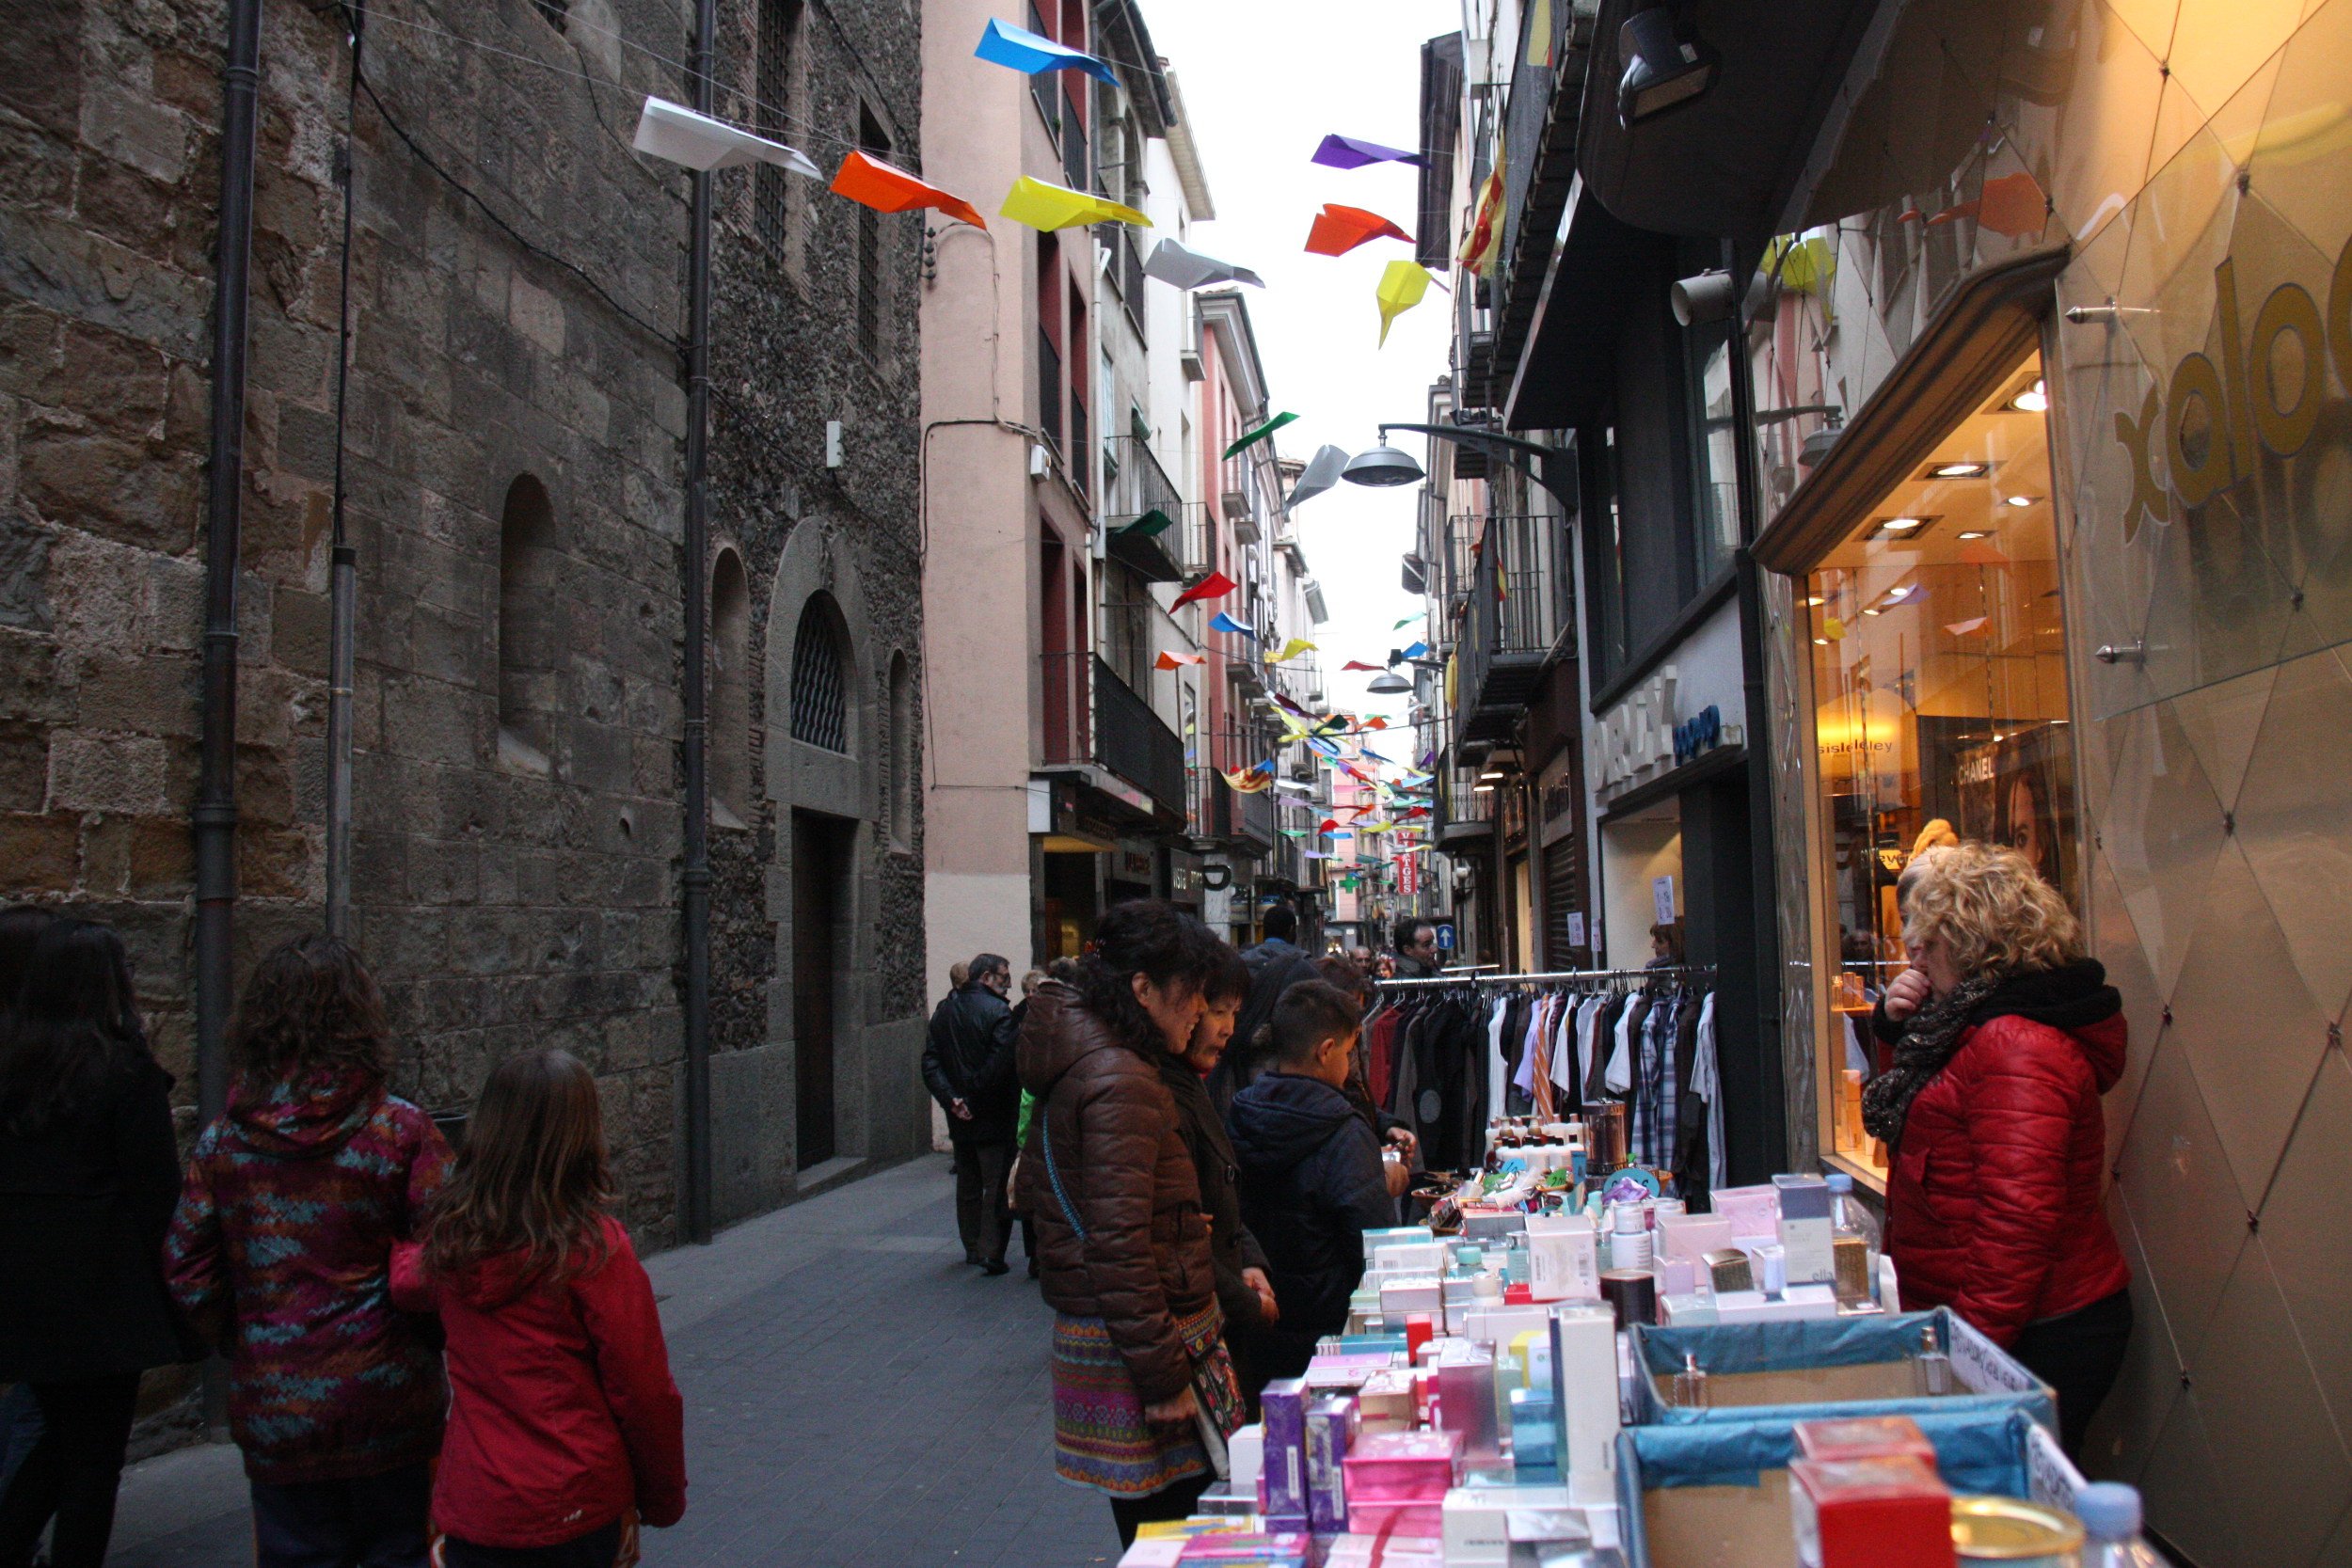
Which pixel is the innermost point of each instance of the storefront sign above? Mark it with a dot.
(2210, 417)
(1698, 734)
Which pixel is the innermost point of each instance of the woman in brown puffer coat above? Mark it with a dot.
(1139, 1367)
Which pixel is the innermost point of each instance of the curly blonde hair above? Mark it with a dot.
(1993, 910)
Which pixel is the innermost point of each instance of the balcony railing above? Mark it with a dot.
(1135, 487)
(1092, 717)
(1048, 387)
(1077, 166)
(1520, 602)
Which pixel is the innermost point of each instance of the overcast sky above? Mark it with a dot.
(1264, 80)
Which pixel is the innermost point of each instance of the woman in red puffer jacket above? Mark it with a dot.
(2005, 1038)
(565, 1427)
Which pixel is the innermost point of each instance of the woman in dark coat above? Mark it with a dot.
(1123, 1241)
(89, 1173)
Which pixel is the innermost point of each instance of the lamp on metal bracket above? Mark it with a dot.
(1384, 466)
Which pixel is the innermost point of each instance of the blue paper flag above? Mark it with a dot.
(1222, 621)
(1025, 51)
(1349, 152)
(1416, 650)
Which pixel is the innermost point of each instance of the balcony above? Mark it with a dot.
(1093, 718)
(1520, 603)
(1464, 813)
(1135, 487)
(1539, 132)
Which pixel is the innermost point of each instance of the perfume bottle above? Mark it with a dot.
(1931, 1370)
(1690, 1385)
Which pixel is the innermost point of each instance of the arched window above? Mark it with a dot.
(821, 691)
(904, 780)
(730, 692)
(529, 634)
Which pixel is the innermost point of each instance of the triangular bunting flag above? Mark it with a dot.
(870, 183)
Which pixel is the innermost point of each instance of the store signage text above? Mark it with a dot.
(2210, 417)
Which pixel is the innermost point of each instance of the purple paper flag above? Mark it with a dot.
(1339, 151)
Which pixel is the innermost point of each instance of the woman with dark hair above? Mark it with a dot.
(20, 925)
(281, 1252)
(1123, 1240)
(88, 1172)
(564, 1426)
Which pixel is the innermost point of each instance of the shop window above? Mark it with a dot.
(1714, 445)
(730, 692)
(1939, 684)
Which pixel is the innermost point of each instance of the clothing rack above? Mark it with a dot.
(1662, 972)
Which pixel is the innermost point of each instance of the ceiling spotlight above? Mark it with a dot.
(1870, 613)
(1813, 599)
(2033, 400)
(1661, 71)
(1959, 471)
(1902, 525)
(2020, 500)
(1976, 533)
(1820, 642)
(1387, 684)
(1384, 466)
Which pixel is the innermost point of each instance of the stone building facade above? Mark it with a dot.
(513, 454)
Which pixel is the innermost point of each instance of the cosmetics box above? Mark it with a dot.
(1372, 1551)
(1794, 1304)
(1751, 1212)
(1493, 1226)
(1468, 1404)
(1863, 1438)
(1407, 1257)
(1692, 1236)
(1686, 1311)
(1563, 1258)
(1385, 1402)
(1404, 1293)
(1245, 1455)
(1283, 1411)
(1889, 1513)
(1584, 1394)
(1534, 1434)
(1331, 1432)
(1380, 1238)
(1269, 1549)
(1499, 1325)
(1534, 1348)
(1403, 1466)
(1414, 1520)
(1804, 1230)
(1480, 1523)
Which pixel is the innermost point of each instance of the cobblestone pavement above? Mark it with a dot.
(856, 1397)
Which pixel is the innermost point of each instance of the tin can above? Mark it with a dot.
(2015, 1533)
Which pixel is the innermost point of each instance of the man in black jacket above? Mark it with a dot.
(968, 1067)
(1313, 1181)
(1276, 964)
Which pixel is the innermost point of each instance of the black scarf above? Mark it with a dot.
(2072, 996)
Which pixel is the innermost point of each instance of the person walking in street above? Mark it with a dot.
(565, 1430)
(968, 1067)
(21, 926)
(2006, 1034)
(1144, 1390)
(281, 1254)
(88, 1170)
(1276, 964)
(1416, 950)
(1245, 1290)
(1312, 1178)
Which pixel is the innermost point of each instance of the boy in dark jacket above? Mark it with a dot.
(1313, 1181)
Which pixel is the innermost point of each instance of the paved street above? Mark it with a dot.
(854, 1395)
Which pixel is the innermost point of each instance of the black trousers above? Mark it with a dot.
(2078, 1354)
(366, 1522)
(70, 1474)
(982, 1217)
(596, 1549)
(1169, 1502)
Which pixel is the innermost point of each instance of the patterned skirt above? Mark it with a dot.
(1100, 1439)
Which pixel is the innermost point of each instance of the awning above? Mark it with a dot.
(1722, 165)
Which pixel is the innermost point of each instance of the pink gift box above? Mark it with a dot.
(1403, 1466)
(1412, 1521)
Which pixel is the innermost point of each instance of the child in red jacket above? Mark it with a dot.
(565, 1427)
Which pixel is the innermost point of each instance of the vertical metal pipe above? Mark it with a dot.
(697, 877)
(214, 821)
(342, 585)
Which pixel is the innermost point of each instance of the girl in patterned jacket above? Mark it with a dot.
(281, 1252)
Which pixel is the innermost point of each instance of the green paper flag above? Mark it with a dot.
(1259, 435)
(1407, 622)
(1149, 525)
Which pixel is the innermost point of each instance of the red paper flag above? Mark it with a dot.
(1360, 664)
(1375, 722)
(1215, 586)
(1340, 230)
(873, 183)
(1329, 825)
(1177, 661)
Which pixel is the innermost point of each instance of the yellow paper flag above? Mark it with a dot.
(1292, 648)
(1042, 206)
(1402, 286)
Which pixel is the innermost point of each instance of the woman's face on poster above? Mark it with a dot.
(2025, 828)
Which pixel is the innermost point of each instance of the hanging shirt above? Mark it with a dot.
(1707, 1082)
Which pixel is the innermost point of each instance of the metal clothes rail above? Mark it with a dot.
(1663, 972)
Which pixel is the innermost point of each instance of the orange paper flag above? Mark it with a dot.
(1177, 661)
(873, 183)
(1340, 230)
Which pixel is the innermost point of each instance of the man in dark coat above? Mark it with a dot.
(1276, 964)
(1313, 1181)
(1416, 950)
(968, 1067)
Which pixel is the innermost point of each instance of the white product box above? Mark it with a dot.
(1563, 1258)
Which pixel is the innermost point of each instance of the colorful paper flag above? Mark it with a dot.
(1375, 722)
(1253, 438)
(1415, 651)
(1339, 230)
(1246, 781)
(677, 135)
(1151, 524)
(1338, 151)
(1187, 268)
(1407, 622)
(1029, 54)
(1360, 664)
(1292, 648)
(1178, 661)
(1222, 621)
(870, 183)
(1479, 247)
(1215, 586)
(1403, 285)
(1323, 471)
(1041, 205)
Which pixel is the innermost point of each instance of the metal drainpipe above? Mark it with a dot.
(343, 581)
(215, 819)
(697, 877)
